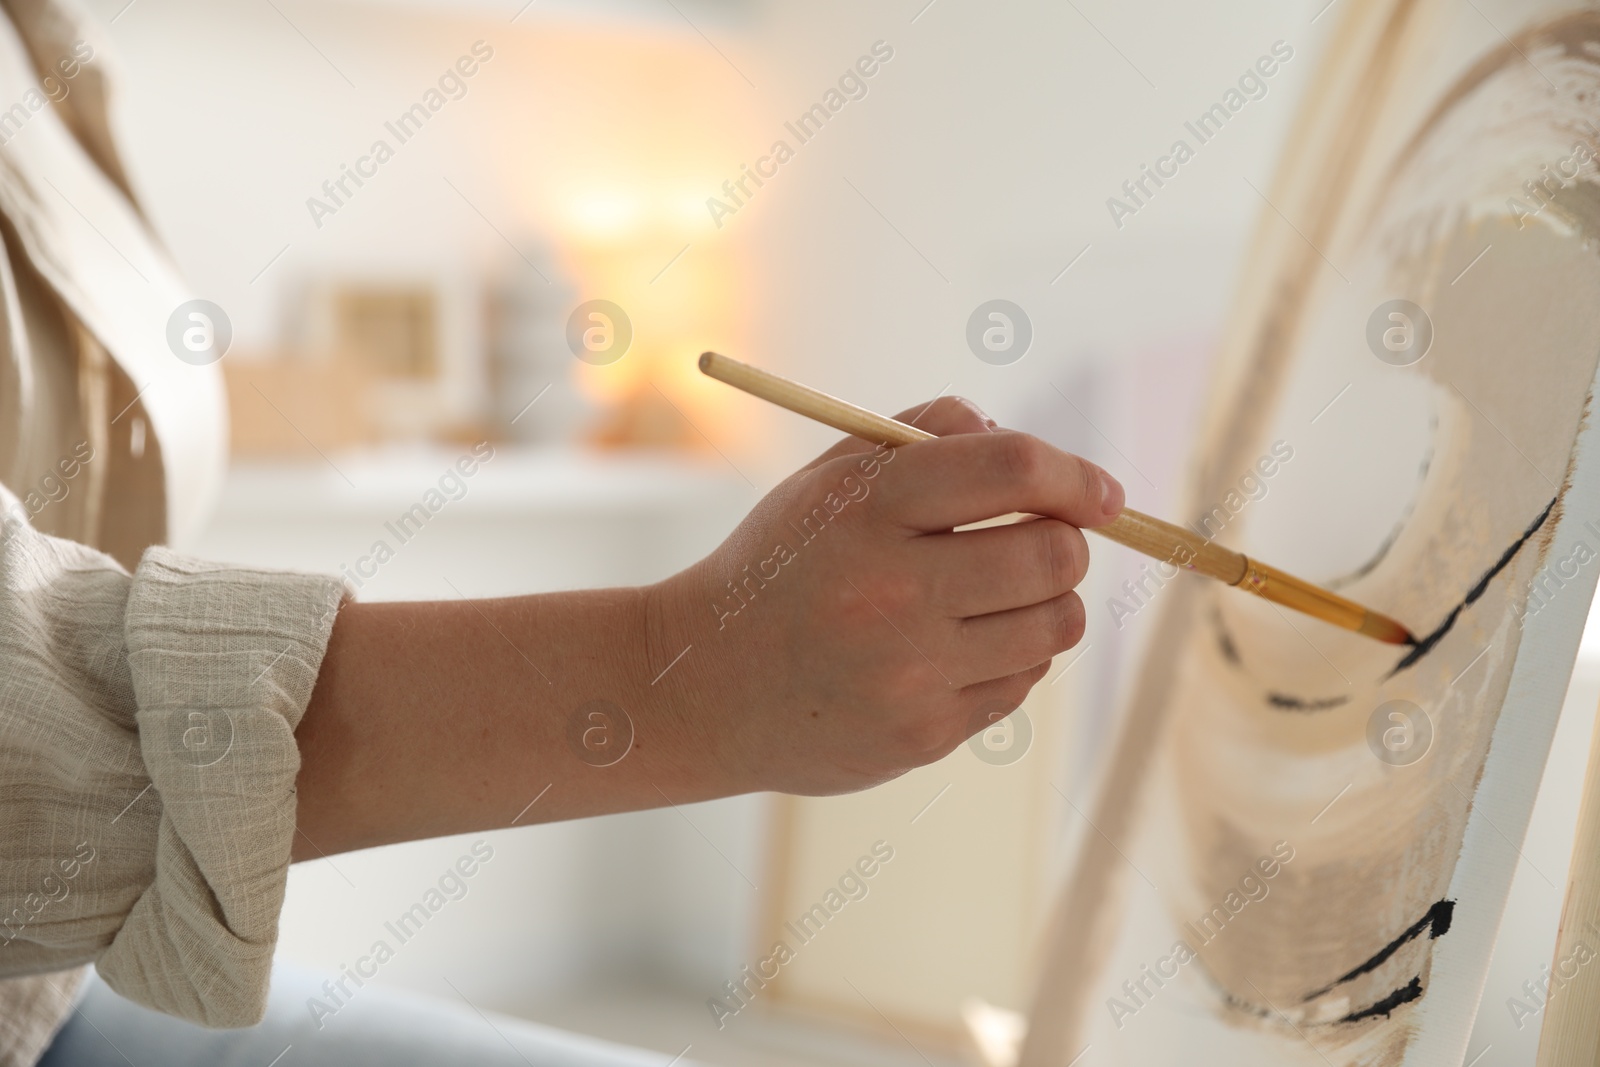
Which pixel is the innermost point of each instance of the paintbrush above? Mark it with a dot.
(1140, 532)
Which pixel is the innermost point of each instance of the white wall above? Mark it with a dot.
(991, 141)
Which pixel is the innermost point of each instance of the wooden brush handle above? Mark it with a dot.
(1175, 545)
(812, 403)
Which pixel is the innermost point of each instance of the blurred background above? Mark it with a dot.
(394, 307)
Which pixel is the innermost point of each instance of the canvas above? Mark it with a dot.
(1304, 840)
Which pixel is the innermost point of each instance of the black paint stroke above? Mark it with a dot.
(1404, 995)
(1281, 701)
(1436, 922)
(1426, 644)
(1294, 703)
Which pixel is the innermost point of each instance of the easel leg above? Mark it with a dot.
(1571, 1034)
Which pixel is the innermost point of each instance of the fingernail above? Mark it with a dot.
(1111, 494)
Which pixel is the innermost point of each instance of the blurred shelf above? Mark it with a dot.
(515, 481)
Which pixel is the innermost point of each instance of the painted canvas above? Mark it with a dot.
(1303, 842)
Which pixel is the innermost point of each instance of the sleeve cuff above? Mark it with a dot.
(223, 662)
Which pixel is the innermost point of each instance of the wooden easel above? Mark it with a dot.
(1571, 1033)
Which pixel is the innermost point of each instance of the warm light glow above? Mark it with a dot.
(618, 217)
(619, 180)
(686, 208)
(604, 216)
(612, 384)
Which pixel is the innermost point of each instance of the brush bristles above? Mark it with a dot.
(1386, 630)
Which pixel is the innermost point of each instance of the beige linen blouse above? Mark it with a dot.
(147, 750)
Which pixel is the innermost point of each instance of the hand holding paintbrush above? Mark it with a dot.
(1143, 533)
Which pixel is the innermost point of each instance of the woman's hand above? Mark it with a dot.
(844, 634)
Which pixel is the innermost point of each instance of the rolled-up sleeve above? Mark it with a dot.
(147, 766)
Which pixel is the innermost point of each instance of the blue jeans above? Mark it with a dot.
(377, 1026)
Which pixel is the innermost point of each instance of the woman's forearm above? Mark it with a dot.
(446, 717)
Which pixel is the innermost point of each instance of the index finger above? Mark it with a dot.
(965, 478)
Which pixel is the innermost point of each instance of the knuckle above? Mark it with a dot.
(917, 735)
(964, 416)
(906, 689)
(1086, 478)
(932, 416)
(874, 610)
(894, 593)
(1066, 621)
(949, 414)
(900, 683)
(847, 606)
(1064, 555)
(923, 737)
(1018, 686)
(1023, 457)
